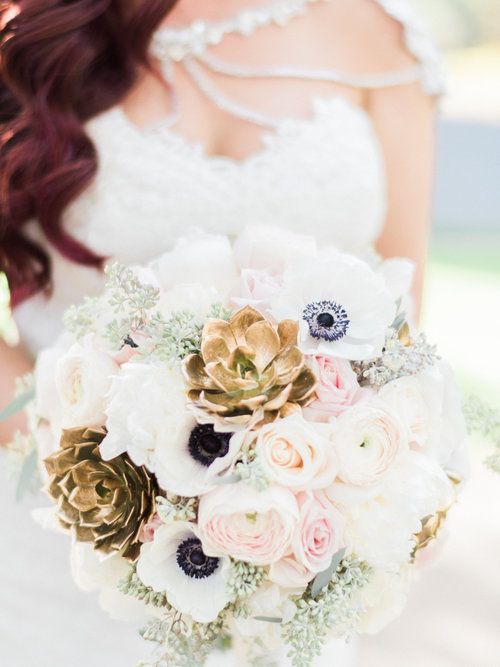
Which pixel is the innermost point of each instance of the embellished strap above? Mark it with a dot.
(419, 43)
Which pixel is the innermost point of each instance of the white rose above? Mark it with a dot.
(147, 415)
(295, 454)
(83, 378)
(368, 440)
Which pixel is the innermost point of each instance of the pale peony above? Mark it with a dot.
(205, 259)
(382, 599)
(83, 377)
(344, 307)
(382, 520)
(296, 454)
(368, 439)
(272, 249)
(430, 404)
(337, 388)
(93, 571)
(290, 574)
(239, 521)
(189, 297)
(175, 562)
(320, 532)
(147, 416)
(255, 288)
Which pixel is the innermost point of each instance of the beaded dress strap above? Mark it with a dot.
(189, 49)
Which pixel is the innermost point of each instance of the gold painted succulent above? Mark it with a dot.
(249, 371)
(103, 502)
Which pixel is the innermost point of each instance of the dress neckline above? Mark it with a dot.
(291, 127)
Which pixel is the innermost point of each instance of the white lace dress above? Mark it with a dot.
(151, 186)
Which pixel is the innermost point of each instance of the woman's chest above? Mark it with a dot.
(323, 174)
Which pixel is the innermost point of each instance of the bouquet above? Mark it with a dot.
(249, 445)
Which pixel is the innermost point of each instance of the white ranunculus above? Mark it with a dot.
(174, 562)
(239, 521)
(383, 519)
(93, 571)
(272, 249)
(344, 307)
(382, 599)
(295, 454)
(206, 259)
(147, 416)
(368, 439)
(83, 378)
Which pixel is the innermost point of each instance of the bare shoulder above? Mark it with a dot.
(370, 37)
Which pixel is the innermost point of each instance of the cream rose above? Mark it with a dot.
(368, 440)
(290, 574)
(337, 388)
(296, 454)
(83, 379)
(238, 521)
(256, 289)
(319, 533)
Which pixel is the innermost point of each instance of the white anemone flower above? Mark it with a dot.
(189, 466)
(175, 563)
(343, 306)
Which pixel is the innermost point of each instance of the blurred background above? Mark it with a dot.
(453, 617)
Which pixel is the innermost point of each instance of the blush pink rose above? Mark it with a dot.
(337, 388)
(319, 533)
(239, 521)
(256, 288)
(289, 573)
(147, 532)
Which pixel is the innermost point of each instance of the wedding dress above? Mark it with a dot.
(323, 174)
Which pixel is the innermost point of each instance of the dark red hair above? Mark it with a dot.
(61, 63)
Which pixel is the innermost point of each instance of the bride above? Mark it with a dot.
(125, 123)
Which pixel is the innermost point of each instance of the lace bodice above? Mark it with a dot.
(323, 174)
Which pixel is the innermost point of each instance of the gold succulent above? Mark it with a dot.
(248, 369)
(103, 502)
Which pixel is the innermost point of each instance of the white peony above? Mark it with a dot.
(295, 454)
(205, 259)
(431, 407)
(382, 599)
(189, 297)
(343, 306)
(83, 377)
(368, 439)
(147, 416)
(175, 562)
(272, 249)
(382, 520)
(93, 571)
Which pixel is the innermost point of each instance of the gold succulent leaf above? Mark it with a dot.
(288, 331)
(103, 502)
(248, 367)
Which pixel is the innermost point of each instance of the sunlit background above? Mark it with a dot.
(453, 618)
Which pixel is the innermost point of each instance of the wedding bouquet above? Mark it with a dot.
(249, 445)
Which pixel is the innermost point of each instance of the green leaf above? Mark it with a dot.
(268, 619)
(323, 578)
(28, 472)
(17, 405)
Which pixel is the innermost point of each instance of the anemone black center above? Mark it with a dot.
(205, 444)
(326, 320)
(193, 561)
